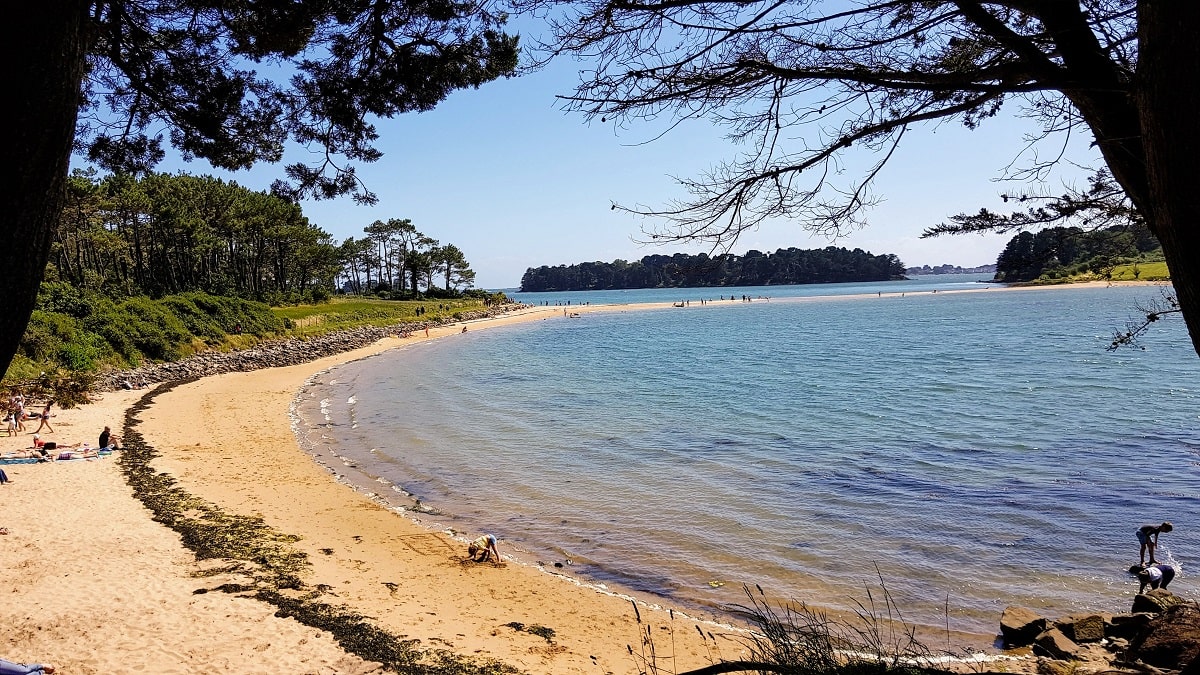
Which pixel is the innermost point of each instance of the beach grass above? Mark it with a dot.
(342, 313)
(797, 638)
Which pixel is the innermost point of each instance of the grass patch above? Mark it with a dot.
(1147, 271)
(341, 313)
(276, 570)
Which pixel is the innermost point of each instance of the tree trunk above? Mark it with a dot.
(1168, 98)
(44, 44)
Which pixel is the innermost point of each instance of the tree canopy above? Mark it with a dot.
(801, 82)
(164, 234)
(231, 82)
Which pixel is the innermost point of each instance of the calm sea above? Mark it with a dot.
(965, 451)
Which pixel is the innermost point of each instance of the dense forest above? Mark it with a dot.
(785, 266)
(1060, 252)
(165, 234)
(160, 267)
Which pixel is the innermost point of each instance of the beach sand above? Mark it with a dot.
(94, 585)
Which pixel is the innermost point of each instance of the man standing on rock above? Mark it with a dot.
(1156, 576)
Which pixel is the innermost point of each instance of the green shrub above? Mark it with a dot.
(156, 332)
(78, 356)
(46, 333)
(62, 298)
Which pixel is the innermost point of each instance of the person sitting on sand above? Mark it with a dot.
(1156, 576)
(10, 668)
(108, 440)
(4, 477)
(1147, 536)
(483, 549)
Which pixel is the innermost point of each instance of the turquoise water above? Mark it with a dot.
(970, 450)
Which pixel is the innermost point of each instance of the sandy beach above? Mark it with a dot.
(95, 585)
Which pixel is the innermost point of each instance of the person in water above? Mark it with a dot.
(483, 549)
(1156, 576)
(1147, 536)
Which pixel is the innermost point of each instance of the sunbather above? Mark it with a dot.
(10, 668)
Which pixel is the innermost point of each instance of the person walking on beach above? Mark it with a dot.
(483, 549)
(1147, 536)
(44, 419)
(1155, 576)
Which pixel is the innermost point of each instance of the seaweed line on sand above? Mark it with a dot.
(248, 546)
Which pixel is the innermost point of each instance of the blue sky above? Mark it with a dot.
(507, 176)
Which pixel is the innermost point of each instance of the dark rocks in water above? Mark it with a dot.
(1020, 625)
(1166, 637)
(1055, 644)
(1171, 640)
(1154, 601)
(1082, 627)
(1127, 626)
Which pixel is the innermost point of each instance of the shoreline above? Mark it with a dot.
(407, 578)
(82, 547)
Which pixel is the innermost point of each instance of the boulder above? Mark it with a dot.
(1082, 627)
(1171, 640)
(1127, 626)
(1055, 644)
(1051, 667)
(1020, 625)
(1154, 601)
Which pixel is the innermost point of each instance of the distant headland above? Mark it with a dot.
(951, 269)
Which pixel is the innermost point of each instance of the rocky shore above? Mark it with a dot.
(277, 353)
(1160, 635)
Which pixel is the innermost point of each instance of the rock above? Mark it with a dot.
(1052, 667)
(1155, 601)
(1127, 626)
(1117, 645)
(1082, 627)
(1171, 640)
(1055, 644)
(1020, 625)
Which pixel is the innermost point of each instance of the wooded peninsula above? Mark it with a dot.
(755, 268)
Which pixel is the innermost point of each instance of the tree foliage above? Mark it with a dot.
(800, 84)
(784, 266)
(164, 234)
(232, 82)
(1062, 251)
(235, 81)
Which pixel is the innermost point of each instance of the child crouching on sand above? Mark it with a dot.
(483, 549)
